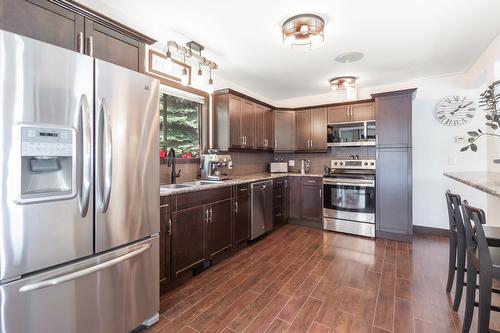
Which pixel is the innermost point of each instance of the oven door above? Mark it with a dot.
(349, 199)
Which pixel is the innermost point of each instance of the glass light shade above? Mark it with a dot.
(210, 87)
(304, 32)
(184, 77)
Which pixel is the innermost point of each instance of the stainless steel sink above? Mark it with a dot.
(204, 182)
(174, 186)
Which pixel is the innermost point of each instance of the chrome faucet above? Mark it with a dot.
(171, 163)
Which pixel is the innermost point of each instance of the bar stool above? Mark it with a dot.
(480, 258)
(457, 247)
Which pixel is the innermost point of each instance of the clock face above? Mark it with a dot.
(455, 110)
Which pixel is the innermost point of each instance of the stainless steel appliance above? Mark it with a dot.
(261, 208)
(349, 197)
(216, 167)
(351, 134)
(275, 167)
(79, 199)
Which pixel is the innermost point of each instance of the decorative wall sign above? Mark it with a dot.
(170, 69)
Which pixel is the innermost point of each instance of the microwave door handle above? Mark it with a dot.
(86, 271)
(108, 141)
(85, 156)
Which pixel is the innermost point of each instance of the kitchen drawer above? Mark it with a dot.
(311, 180)
(279, 182)
(165, 207)
(242, 190)
(199, 198)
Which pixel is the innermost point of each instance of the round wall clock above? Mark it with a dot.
(455, 110)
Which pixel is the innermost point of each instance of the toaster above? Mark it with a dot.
(278, 167)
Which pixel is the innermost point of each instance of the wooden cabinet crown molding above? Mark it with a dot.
(103, 20)
(411, 92)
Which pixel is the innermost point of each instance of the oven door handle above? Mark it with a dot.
(349, 183)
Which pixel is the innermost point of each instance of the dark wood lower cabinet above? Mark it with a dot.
(311, 198)
(280, 202)
(219, 230)
(294, 197)
(241, 215)
(188, 239)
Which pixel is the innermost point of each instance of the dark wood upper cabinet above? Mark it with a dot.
(188, 239)
(362, 112)
(219, 232)
(70, 25)
(393, 116)
(311, 129)
(318, 128)
(268, 129)
(248, 124)
(241, 123)
(351, 112)
(259, 111)
(114, 47)
(339, 114)
(235, 112)
(284, 130)
(43, 20)
(303, 129)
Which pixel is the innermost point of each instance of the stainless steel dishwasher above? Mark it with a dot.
(262, 208)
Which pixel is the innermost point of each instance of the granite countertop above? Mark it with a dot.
(233, 181)
(488, 182)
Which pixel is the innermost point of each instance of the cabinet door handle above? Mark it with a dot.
(286, 183)
(206, 217)
(169, 226)
(80, 42)
(320, 192)
(211, 215)
(236, 207)
(311, 181)
(90, 46)
(243, 189)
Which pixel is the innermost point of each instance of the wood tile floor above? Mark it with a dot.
(300, 279)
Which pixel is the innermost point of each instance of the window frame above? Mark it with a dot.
(205, 109)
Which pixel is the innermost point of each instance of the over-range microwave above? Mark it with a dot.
(360, 133)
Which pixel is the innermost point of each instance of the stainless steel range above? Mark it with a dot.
(349, 197)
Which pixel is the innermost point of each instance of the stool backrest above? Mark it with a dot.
(455, 219)
(474, 219)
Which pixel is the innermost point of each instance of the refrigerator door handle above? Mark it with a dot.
(86, 271)
(85, 176)
(104, 141)
(108, 181)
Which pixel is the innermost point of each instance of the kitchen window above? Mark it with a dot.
(180, 116)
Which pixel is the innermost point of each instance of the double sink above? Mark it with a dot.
(190, 184)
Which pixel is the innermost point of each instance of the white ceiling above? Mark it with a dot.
(401, 39)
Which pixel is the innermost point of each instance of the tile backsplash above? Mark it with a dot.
(244, 164)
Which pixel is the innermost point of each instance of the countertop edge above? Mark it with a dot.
(234, 181)
(474, 184)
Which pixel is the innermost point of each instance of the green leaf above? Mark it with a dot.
(472, 133)
(464, 148)
(494, 126)
(473, 147)
(471, 140)
(489, 117)
(479, 130)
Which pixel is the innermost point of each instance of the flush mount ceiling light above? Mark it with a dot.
(305, 31)
(343, 82)
(349, 57)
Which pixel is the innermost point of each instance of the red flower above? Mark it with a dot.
(163, 153)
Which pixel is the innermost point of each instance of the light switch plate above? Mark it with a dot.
(291, 163)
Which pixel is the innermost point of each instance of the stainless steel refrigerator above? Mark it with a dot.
(79, 198)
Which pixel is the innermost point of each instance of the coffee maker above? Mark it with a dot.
(216, 167)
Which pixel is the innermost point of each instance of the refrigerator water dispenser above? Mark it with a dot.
(47, 164)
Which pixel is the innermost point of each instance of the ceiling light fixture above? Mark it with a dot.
(184, 77)
(189, 53)
(210, 83)
(304, 31)
(199, 76)
(343, 82)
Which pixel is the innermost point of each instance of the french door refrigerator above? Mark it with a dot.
(79, 196)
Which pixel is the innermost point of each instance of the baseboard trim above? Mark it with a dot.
(423, 230)
(393, 236)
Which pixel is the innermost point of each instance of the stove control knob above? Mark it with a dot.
(335, 163)
(366, 163)
(372, 163)
(341, 163)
